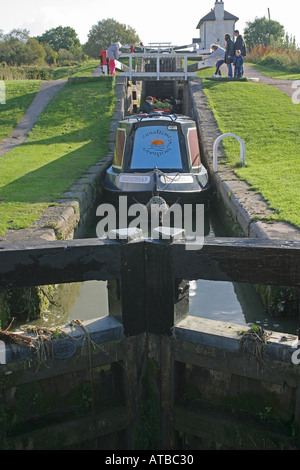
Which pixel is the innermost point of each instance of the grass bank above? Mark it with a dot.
(83, 70)
(18, 96)
(268, 122)
(69, 136)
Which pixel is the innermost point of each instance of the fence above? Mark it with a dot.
(158, 65)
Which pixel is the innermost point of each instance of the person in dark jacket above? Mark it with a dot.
(147, 106)
(238, 62)
(240, 45)
(229, 53)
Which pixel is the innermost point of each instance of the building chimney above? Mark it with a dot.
(219, 10)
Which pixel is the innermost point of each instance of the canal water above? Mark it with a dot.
(236, 303)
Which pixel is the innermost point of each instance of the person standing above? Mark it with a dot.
(240, 45)
(238, 62)
(113, 53)
(229, 53)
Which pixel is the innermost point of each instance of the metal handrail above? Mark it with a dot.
(215, 149)
(158, 74)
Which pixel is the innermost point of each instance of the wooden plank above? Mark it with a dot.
(133, 289)
(160, 294)
(254, 261)
(58, 262)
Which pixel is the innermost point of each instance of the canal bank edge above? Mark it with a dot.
(67, 217)
(246, 207)
(243, 212)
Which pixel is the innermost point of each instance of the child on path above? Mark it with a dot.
(238, 62)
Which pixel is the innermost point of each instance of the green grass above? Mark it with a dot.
(18, 96)
(268, 122)
(274, 73)
(70, 135)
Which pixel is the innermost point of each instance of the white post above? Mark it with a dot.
(215, 149)
(2, 92)
(185, 66)
(157, 66)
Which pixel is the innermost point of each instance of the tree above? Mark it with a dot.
(60, 38)
(36, 52)
(261, 30)
(106, 32)
(17, 35)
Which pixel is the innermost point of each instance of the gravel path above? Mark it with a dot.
(283, 85)
(20, 133)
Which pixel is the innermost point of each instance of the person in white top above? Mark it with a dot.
(218, 54)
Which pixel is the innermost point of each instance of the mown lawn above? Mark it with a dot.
(18, 96)
(268, 122)
(70, 135)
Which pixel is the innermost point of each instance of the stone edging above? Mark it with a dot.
(247, 207)
(66, 218)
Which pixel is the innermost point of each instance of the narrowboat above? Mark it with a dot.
(157, 154)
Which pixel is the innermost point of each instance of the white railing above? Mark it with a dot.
(182, 73)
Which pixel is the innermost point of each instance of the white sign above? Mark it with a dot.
(170, 179)
(140, 179)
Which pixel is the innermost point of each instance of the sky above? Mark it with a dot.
(156, 21)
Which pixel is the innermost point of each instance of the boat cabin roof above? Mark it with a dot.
(166, 141)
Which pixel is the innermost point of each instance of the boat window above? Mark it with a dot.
(156, 146)
(119, 148)
(193, 145)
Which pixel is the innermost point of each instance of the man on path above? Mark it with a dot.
(229, 53)
(240, 45)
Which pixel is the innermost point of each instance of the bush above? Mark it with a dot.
(8, 72)
(276, 57)
(277, 61)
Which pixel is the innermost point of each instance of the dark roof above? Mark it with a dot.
(211, 17)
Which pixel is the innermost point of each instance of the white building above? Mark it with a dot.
(215, 25)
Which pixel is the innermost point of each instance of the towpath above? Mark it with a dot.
(20, 133)
(283, 85)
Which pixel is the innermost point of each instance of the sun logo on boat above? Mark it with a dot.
(157, 141)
